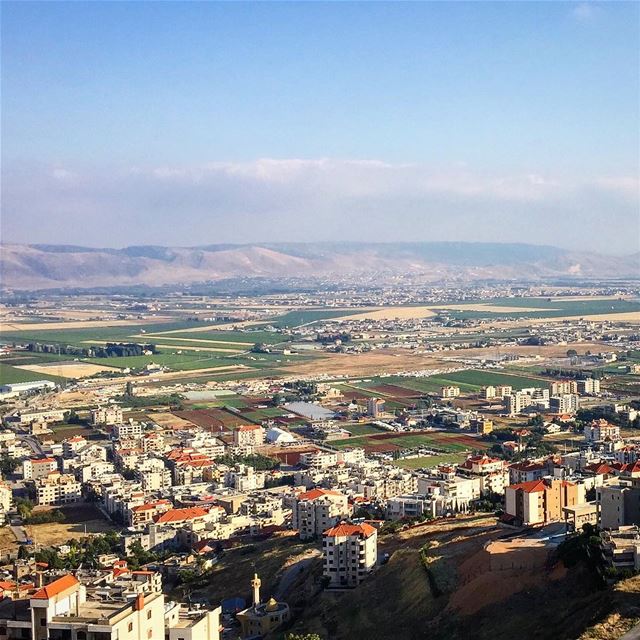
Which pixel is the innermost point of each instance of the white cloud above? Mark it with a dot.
(324, 199)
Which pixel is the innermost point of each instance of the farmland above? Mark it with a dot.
(391, 441)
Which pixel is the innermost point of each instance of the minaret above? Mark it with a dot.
(255, 583)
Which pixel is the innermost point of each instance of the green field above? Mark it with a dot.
(179, 362)
(297, 318)
(549, 308)
(250, 337)
(10, 374)
(443, 441)
(363, 429)
(480, 378)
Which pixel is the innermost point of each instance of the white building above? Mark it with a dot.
(350, 553)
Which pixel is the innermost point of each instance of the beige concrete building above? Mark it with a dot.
(449, 392)
(317, 510)
(350, 553)
(58, 489)
(109, 415)
(248, 435)
(541, 501)
(33, 469)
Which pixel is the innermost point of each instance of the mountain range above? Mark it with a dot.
(63, 266)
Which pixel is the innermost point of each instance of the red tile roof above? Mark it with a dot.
(344, 530)
(534, 486)
(56, 587)
(314, 494)
(180, 515)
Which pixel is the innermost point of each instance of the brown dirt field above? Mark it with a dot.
(169, 420)
(75, 370)
(395, 391)
(211, 418)
(7, 540)
(374, 362)
(77, 516)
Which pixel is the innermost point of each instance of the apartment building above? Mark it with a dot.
(567, 403)
(375, 407)
(36, 468)
(350, 553)
(62, 610)
(449, 392)
(319, 459)
(618, 503)
(541, 501)
(317, 510)
(599, 430)
(248, 435)
(58, 489)
(125, 430)
(492, 472)
(589, 386)
(562, 387)
(107, 416)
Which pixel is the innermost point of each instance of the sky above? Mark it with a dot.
(194, 123)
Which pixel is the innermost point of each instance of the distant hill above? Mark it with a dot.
(58, 266)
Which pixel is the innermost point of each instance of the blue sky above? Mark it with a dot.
(412, 120)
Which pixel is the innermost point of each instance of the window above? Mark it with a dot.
(43, 622)
(149, 614)
(130, 627)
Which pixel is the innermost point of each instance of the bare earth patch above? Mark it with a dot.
(67, 370)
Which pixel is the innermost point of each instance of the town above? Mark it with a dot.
(189, 472)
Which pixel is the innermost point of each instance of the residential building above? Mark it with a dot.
(449, 392)
(567, 403)
(35, 468)
(589, 386)
(375, 407)
(58, 489)
(492, 472)
(600, 430)
(109, 415)
(317, 510)
(350, 553)
(248, 435)
(541, 501)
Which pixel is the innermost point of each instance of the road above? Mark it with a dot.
(19, 532)
(292, 573)
(32, 443)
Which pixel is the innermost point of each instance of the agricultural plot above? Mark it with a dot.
(80, 337)
(548, 308)
(9, 374)
(391, 441)
(176, 361)
(364, 429)
(302, 317)
(478, 378)
(250, 337)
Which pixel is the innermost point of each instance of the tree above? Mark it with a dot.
(8, 465)
(572, 353)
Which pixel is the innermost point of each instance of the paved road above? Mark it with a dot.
(32, 443)
(19, 532)
(633, 634)
(290, 575)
